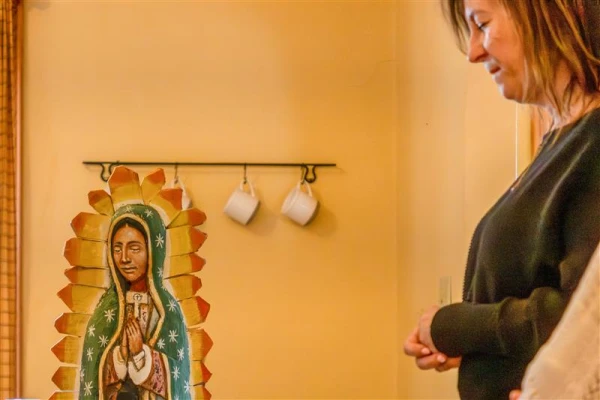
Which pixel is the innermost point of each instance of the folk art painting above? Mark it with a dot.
(134, 330)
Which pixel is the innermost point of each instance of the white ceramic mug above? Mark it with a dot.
(242, 205)
(300, 206)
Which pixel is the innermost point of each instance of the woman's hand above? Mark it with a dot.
(438, 361)
(413, 347)
(425, 328)
(134, 336)
(450, 363)
(419, 344)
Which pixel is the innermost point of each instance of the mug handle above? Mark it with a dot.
(307, 185)
(249, 185)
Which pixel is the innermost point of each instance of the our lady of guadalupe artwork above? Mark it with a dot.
(135, 327)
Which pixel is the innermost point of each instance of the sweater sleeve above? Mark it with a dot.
(519, 326)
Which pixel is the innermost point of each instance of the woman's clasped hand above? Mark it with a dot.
(420, 346)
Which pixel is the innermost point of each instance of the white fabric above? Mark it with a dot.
(567, 367)
(139, 359)
(138, 376)
(119, 363)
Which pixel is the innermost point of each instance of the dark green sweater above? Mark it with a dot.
(526, 258)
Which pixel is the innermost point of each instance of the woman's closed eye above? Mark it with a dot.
(481, 25)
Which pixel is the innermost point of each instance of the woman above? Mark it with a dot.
(531, 248)
(136, 345)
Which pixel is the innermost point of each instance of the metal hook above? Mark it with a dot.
(245, 175)
(106, 170)
(176, 178)
(311, 175)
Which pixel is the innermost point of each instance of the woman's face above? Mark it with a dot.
(130, 253)
(495, 42)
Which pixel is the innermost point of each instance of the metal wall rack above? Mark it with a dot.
(309, 173)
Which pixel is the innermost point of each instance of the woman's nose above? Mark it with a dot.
(476, 52)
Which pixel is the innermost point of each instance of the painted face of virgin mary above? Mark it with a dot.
(130, 253)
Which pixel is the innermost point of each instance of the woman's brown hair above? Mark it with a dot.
(551, 30)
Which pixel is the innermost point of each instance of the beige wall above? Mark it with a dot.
(296, 312)
(423, 143)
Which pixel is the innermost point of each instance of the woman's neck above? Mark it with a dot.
(581, 105)
(580, 102)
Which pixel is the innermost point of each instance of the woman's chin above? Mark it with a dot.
(510, 94)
